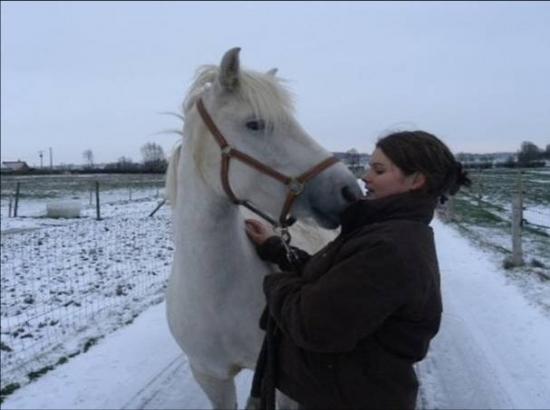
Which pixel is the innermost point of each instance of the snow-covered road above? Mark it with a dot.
(492, 352)
(493, 347)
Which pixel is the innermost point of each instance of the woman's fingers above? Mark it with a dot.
(255, 225)
(251, 227)
(256, 230)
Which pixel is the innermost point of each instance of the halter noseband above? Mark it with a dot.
(295, 185)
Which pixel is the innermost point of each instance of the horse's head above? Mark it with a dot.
(254, 112)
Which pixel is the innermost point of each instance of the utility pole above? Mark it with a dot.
(51, 159)
(41, 154)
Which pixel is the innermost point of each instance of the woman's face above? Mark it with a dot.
(384, 178)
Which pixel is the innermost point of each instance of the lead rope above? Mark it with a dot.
(262, 392)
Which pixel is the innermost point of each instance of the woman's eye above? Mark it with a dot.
(255, 125)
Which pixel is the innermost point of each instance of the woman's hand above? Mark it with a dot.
(257, 231)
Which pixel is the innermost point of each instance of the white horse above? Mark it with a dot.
(214, 295)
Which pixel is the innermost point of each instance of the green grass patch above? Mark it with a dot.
(35, 375)
(62, 360)
(5, 347)
(474, 214)
(9, 389)
(89, 343)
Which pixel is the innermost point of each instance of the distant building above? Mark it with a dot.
(357, 162)
(15, 166)
(487, 160)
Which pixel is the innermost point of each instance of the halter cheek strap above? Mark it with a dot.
(295, 185)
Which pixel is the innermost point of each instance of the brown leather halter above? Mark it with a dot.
(295, 184)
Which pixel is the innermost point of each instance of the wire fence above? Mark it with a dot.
(30, 196)
(508, 212)
(501, 211)
(65, 287)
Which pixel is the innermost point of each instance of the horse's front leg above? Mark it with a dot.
(221, 392)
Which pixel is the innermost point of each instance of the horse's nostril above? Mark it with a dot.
(348, 194)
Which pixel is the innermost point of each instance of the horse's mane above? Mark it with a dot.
(171, 183)
(265, 93)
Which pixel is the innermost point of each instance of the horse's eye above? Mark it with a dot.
(255, 125)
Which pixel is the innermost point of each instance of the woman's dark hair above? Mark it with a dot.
(420, 151)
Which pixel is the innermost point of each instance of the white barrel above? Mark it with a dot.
(63, 209)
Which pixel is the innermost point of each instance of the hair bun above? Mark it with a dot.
(460, 178)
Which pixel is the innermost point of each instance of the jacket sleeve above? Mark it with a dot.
(349, 302)
(272, 250)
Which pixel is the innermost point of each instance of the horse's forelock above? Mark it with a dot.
(269, 98)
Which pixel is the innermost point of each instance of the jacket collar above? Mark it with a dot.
(413, 206)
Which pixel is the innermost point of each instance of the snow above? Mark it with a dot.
(491, 352)
(138, 366)
(66, 286)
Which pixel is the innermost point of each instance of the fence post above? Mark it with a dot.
(451, 208)
(479, 187)
(161, 203)
(16, 205)
(97, 200)
(10, 204)
(517, 219)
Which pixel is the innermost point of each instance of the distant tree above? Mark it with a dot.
(460, 157)
(528, 152)
(124, 165)
(509, 163)
(152, 152)
(88, 158)
(124, 161)
(153, 157)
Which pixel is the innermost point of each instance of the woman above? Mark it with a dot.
(357, 315)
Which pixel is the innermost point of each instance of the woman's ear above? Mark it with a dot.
(418, 181)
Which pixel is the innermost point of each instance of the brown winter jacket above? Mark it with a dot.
(357, 315)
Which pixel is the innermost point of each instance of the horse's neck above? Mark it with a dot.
(211, 232)
(199, 207)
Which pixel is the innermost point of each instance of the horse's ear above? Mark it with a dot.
(273, 72)
(229, 69)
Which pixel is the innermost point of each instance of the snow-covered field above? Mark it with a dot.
(66, 283)
(492, 351)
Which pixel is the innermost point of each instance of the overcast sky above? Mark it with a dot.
(95, 75)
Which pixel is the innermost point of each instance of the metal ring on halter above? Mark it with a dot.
(285, 235)
(291, 255)
(227, 150)
(295, 186)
